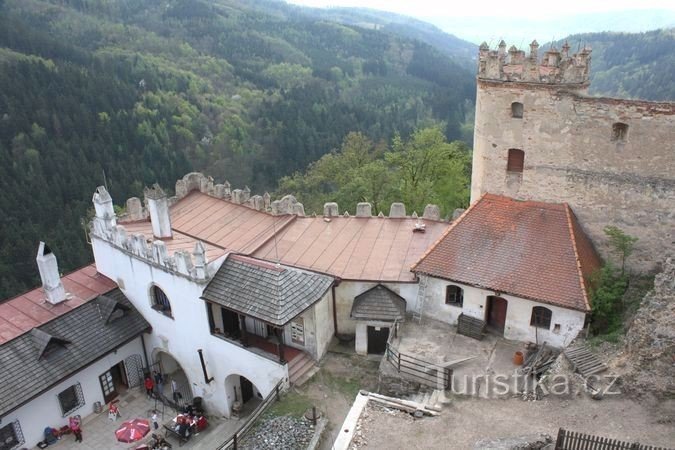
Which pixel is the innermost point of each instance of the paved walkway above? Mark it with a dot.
(98, 432)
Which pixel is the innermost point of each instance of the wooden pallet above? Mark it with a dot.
(584, 362)
(470, 326)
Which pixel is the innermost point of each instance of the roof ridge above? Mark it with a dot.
(527, 202)
(569, 214)
(447, 231)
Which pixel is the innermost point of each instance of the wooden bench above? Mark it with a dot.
(169, 431)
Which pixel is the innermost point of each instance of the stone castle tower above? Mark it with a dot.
(539, 136)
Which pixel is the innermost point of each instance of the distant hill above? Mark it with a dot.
(521, 31)
(630, 65)
(132, 92)
(463, 52)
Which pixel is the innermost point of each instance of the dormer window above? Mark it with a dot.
(619, 132)
(516, 161)
(517, 110)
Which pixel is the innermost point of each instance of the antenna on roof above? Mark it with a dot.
(105, 180)
(274, 231)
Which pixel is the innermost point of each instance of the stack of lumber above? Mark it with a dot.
(583, 361)
(470, 326)
(539, 360)
(404, 405)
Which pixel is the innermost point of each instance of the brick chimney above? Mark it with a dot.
(49, 274)
(158, 207)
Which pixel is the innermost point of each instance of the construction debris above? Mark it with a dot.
(403, 405)
(584, 362)
(539, 360)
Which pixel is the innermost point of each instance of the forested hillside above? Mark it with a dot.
(132, 92)
(631, 65)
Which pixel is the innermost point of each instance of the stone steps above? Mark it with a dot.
(300, 366)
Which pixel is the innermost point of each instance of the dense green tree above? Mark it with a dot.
(421, 170)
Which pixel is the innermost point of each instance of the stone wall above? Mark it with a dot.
(573, 155)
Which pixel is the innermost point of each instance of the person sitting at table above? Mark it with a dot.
(202, 423)
(184, 429)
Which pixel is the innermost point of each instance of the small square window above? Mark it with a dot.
(454, 295)
(71, 399)
(517, 110)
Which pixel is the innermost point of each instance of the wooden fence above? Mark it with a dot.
(238, 435)
(570, 440)
(425, 372)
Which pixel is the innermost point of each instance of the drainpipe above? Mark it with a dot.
(145, 351)
(335, 322)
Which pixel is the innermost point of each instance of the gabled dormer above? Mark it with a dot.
(110, 309)
(47, 344)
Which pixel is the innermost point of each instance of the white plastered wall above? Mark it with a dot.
(518, 313)
(318, 326)
(188, 330)
(347, 290)
(45, 410)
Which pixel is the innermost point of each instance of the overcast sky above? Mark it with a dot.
(519, 21)
(524, 8)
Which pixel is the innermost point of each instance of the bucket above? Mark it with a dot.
(518, 358)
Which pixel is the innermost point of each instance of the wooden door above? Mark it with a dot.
(377, 339)
(107, 386)
(496, 313)
(246, 389)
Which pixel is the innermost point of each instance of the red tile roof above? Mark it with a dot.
(527, 249)
(31, 309)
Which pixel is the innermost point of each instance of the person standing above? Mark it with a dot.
(149, 385)
(155, 425)
(159, 382)
(74, 424)
(174, 390)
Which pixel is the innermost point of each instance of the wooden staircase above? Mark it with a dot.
(301, 368)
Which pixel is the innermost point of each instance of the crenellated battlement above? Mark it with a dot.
(555, 67)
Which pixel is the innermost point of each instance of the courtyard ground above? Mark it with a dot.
(331, 390)
(98, 431)
(466, 421)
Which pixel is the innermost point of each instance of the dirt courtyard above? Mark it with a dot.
(466, 421)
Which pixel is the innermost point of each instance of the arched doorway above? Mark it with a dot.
(176, 384)
(496, 313)
(242, 394)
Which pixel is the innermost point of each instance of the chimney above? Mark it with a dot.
(158, 207)
(49, 274)
(103, 205)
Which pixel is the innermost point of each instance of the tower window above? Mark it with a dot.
(516, 160)
(517, 110)
(619, 132)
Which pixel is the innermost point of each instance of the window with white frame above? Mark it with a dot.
(71, 399)
(11, 436)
